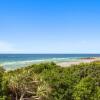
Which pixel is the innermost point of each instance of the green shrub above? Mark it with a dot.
(77, 82)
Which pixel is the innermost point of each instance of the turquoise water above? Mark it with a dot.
(13, 61)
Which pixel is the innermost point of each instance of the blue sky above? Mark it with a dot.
(49, 26)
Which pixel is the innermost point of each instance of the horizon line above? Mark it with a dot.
(49, 53)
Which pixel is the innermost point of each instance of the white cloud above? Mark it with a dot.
(6, 47)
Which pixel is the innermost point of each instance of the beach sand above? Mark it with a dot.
(83, 60)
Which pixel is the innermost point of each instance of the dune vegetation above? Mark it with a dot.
(48, 81)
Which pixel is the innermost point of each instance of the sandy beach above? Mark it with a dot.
(83, 60)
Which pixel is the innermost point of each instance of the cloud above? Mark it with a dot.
(6, 47)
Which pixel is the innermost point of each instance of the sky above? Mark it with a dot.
(49, 26)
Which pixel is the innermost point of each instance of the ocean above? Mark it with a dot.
(13, 61)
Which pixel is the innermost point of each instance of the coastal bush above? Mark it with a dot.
(39, 68)
(48, 81)
(64, 80)
(21, 84)
(1, 76)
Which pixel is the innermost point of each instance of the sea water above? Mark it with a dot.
(13, 61)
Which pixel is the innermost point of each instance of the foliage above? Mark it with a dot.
(1, 75)
(47, 81)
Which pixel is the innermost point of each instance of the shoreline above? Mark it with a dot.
(63, 63)
(81, 60)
